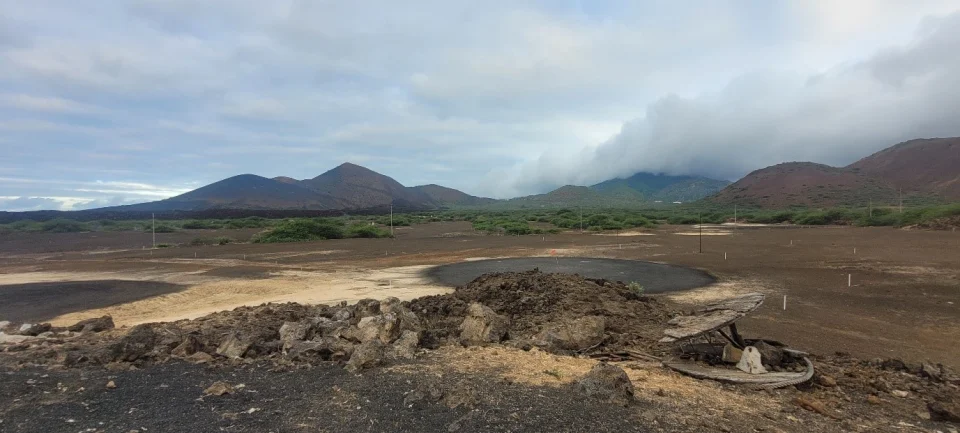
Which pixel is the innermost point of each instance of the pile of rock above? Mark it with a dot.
(360, 336)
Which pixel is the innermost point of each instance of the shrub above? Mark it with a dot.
(200, 224)
(367, 231)
(635, 288)
(61, 225)
(297, 230)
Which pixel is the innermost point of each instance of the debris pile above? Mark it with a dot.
(558, 313)
(360, 335)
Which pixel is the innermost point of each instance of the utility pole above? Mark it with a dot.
(734, 218)
(901, 200)
(153, 218)
(871, 208)
(391, 220)
(700, 215)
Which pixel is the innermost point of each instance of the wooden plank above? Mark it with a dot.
(711, 317)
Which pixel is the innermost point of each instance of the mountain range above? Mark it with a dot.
(923, 170)
(918, 171)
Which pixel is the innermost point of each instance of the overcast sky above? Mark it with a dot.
(111, 102)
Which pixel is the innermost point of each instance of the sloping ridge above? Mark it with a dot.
(245, 191)
(442, 195)
(360, 187)
(664, 187)
(924, 165)
(805, 184)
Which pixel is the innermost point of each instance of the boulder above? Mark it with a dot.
(232, 347)
(751, 362)
(932, 372)
(190, 345)
(390, 305)
(139, 341)
(307, 350)
(34, 329)
(576, 335)
(406, 346)
(97, 324)
(366, 308)
(771, 355)
(366, 355)
(383, 327)
(342, 314)
(482, 326)
(4, 324)
(608, 383)
(13, 339)
(295, 331)
(945, 410)
(731, 354)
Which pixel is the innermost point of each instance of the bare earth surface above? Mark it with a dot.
(903, 302)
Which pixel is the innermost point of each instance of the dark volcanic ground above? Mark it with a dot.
(169, 398)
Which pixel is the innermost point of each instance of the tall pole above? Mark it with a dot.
(391, 220)
(700, 216)
(901, 200)
(871, 208)
(734, 217)
(153, 218)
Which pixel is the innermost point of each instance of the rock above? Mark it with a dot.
(482, 326)
(329, 328)
(731, 354)
(33, 330)
(190, 345)
(366, 308)
(111, 385)
(576, 335)
(827, 381)
(923, 415)
(389, 305)
(307, 350)
(200, 358)
(232, 347)
(933, 372)
(872, 399)
(294, 331)
(770, 354)
(750, 362)
(881, 385)
(608, 383)
(430, 394)
(138, 342)
(4, 324)
(948, 410)
(900, 393)
(14, 339)
(366, 355)
(97, 324)
(814, 405)
(383, 327)
(406, 346)
(219, 388)
(342, 315)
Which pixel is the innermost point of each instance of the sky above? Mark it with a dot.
(116, 102)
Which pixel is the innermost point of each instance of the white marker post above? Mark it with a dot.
(724, 255)
(854, 250)
(784, 302)
(849, 280)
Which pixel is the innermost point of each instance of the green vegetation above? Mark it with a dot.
(307, 229)
(635, 288)
(219, 240)
(508, 222)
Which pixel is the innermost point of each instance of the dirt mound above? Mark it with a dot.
(540, 304)
(945, 223)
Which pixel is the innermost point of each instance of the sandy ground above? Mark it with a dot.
(904, 300)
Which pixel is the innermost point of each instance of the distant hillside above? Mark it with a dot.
(245, 191)
(926, 170)
(917, 166)
(444, 196)
(805, 184)
(346, 187)
(653, 187)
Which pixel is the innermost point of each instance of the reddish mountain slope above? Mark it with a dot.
(361, 187)
(449, 196)
(805, 184)
(924, 166)
(246, 191)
